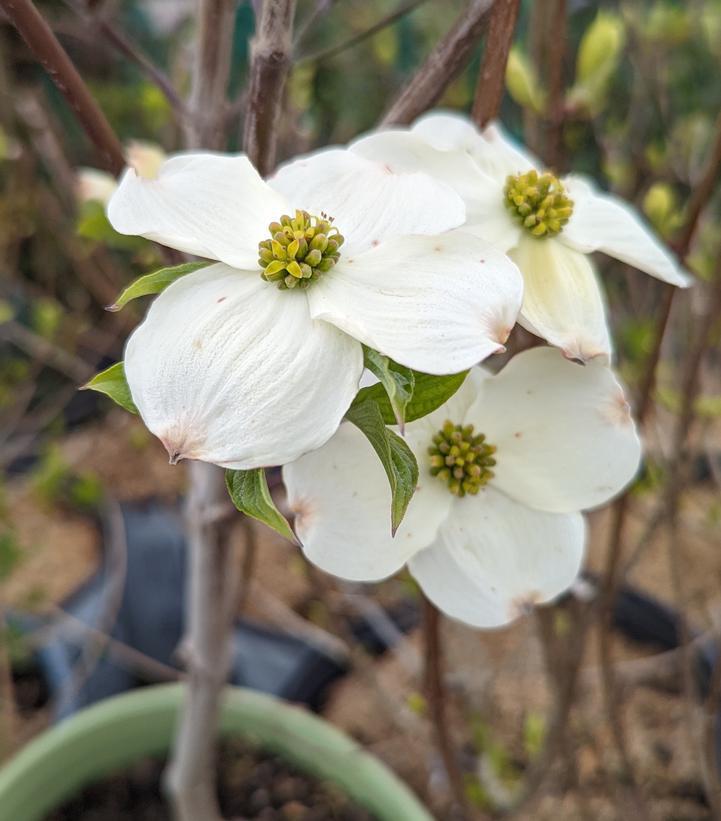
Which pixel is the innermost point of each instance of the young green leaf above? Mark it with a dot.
(429, 393)
(396, 457)
(154, 283)
(397, 380)
(112, 383)
(249, 492)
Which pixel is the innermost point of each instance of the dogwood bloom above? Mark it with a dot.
(505, 466)
(547, 225)
(254, 360)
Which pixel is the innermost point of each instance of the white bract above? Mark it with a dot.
(244, 370)
(494, 525)
(548, 226)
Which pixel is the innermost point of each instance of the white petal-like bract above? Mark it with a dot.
(368, 203)
(438, 304)
(495, 153)
(562, 300)
(495, 558)
(342, 501)
(404, 152)
(564, 434)
(602, 222)
(212, 205)
(228, 369)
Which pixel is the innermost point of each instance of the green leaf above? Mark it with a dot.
(429, 393)
(396, 457)
(249, 491)
(112, 383)
(398, 381)
(154, 283)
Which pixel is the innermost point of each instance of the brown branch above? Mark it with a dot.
(555, 111)
(436, 694)
(388, 20)
(492, 76)
(128, 49)
(701, 193)
(205, 121)
(269, 67)
(441, 66)
(53, 58)
(190, 777)
(612, 575)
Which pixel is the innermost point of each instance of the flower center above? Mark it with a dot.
(539, 202)
(461, 458)
(299, 250)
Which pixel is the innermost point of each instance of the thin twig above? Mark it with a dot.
(701, 193)
(350, 42)
(116, 575)
(51, 55)
(620, 509)
(671, 503)
(436, 693)
(46, 351)
(269, 67)
(441, 66)
(118, 39)
(491, 78)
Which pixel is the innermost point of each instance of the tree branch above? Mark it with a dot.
(441, 66)
(436, 695)
(53, 58)
(118, 39)
(190, 777)
(492, 76)
(204, 125)
(269, 67)
(379, 25)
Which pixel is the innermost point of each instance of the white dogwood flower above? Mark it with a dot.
(253, 360)
(547, 225)
(505, 466)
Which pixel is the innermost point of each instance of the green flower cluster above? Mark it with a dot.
(539, 202)
(461, 459)
(299, 250)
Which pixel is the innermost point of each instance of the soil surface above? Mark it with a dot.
(253, 785)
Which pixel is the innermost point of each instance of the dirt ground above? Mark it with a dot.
(497, 680)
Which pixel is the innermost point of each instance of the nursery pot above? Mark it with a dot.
(114, 733)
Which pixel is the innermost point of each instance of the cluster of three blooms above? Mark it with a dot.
(426, 244)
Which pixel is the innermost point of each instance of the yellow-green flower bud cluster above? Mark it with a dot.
(461, 458)
(539, 202)
(299, 250)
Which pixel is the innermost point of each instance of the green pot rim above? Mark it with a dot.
(117, 731)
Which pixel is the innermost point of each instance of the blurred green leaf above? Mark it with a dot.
(10, 553)
(599, 54)
(522, 82)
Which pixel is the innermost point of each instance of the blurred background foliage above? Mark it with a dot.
(635, 108)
